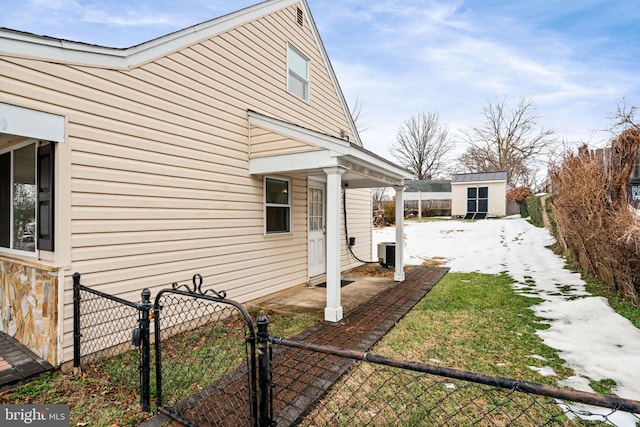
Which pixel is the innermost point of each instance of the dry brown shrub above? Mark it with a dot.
(518, 194)
(595, 222)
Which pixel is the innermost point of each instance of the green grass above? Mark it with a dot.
(603, 386)
(475, 322)
(285, 324)
(469, 321)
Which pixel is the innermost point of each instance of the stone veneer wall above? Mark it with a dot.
(29, 300)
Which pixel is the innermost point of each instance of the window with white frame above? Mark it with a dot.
(26, 196)
(18, 197)
(298, 79)
(277, 205)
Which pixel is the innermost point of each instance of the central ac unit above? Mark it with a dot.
(387, 254)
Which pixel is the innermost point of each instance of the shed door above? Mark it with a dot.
(317, 241)
(477, 202)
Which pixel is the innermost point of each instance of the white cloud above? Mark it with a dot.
(129, 18)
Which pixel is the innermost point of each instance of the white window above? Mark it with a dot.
(277, 205)
(18, 197)
(298, 80)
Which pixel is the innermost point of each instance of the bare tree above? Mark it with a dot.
(625, 116)
(357, 114)
(378, 195)
(422, 144)
(508, 140)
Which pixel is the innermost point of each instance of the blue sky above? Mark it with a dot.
(575, 60)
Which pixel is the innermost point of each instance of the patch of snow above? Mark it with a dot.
(545, 371)
(594, 341)
(537, 356)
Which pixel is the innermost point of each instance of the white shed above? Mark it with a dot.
(478, 195)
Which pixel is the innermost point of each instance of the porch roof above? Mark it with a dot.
(363, 168)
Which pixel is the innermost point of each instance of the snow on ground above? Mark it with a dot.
(594, 341)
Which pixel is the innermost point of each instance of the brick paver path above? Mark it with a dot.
(18, 363)
(300, 376)
(4, 365)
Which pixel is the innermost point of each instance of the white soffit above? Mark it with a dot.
(292, 162)
(30, 123)
(336, 146)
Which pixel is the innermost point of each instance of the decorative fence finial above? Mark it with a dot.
(197, 288)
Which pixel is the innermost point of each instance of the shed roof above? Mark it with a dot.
(428, 186)
(479, 177)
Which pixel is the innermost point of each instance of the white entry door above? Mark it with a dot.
(317, 240)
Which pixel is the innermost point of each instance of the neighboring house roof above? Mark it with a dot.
(428, 186)
(479, 177)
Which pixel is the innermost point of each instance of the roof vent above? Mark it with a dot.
(300, 17)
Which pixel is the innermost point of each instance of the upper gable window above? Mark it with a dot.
(298, 81)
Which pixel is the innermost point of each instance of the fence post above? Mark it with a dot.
(145, 363)
(156, 334)
(264, 368)
(76, 323)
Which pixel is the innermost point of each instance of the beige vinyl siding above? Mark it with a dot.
(160, 188)
(265, 142)
(359, 219)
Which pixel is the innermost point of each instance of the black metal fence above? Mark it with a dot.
(200, 346)
(205, 357)
(316, 385)
(102, 336)
(211, 368)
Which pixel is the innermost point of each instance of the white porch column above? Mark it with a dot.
(398, 276)
(333, 309)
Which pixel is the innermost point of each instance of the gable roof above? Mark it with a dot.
(479, 177)
(23, 44)
(55, 49)
(428, 186)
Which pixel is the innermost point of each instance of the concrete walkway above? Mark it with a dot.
(17, 363)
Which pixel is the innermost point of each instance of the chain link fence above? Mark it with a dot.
(200, 346)
(103, 326)
(211, 369)
(315, 385)
(205, 359)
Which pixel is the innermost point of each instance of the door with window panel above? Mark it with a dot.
(317, 241)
